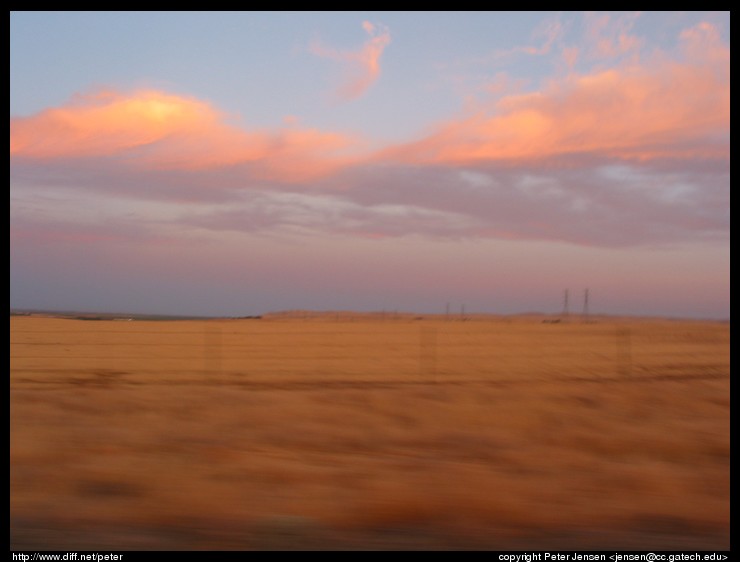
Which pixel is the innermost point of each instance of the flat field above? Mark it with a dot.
(369, 432)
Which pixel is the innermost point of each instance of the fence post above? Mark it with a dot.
(624, 351)
(428, 352)
(211, 350)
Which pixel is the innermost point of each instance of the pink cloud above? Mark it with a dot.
(362, 67)
(643, 144)
(610, 36)
(542, 41)
(156, 130)
(638, 111)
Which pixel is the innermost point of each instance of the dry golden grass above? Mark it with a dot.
(369, 432)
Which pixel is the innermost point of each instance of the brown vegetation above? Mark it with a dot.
(369, 432)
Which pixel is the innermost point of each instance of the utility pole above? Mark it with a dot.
(585, 305)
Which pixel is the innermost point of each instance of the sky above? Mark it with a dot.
(240, 163)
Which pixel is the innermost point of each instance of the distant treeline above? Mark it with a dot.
(75, 315)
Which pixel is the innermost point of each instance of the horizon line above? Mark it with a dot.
(306, 313)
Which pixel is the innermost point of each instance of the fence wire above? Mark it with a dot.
(305, 355)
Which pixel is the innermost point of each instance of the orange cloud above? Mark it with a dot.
(363, 66)
(635, 112)
(157, 130)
